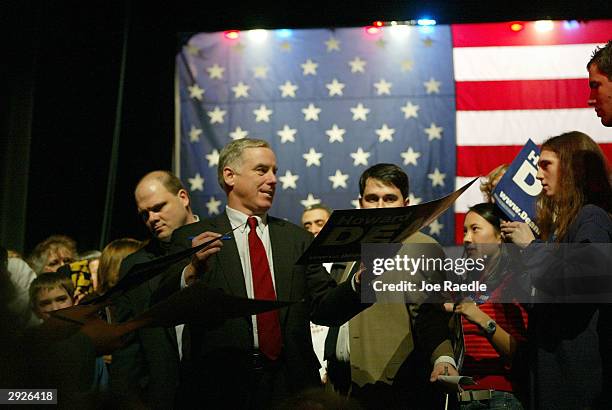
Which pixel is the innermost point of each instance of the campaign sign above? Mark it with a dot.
(517, 191)
(346, 229)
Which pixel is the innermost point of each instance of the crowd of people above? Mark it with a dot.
(371, 355)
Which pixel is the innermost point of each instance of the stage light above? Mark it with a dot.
(232, 34)
(284, 33)
(516, 26)
(372, 30)
(570, 24)
(399, 31)
(378, 23)
(394, 23)
(426, 22)
(543, 26)
(258, 35)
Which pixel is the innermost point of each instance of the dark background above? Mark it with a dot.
(60, 81)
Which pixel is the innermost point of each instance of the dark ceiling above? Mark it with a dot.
(64, 76)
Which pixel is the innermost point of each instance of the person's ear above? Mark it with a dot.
(229, 176)
(184, 197)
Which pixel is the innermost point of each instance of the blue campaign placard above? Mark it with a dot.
(517, 191)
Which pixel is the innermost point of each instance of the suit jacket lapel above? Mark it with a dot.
(347, 271)
(229, 259)
(283, 263)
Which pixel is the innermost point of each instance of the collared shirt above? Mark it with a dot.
(241, 236)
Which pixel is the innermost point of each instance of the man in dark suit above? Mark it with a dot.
(256, 361)
(148, 365)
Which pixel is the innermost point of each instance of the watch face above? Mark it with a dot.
(491, 327)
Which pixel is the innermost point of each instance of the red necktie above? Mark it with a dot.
(268, 325)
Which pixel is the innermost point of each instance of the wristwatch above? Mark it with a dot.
(490, 327)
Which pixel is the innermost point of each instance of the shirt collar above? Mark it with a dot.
(238, 218)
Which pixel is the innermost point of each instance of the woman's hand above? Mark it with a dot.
(470, 310)
(517, 232)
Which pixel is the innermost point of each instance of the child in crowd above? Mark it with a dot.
(53, 291)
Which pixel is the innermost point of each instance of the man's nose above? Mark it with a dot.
(592, 100)
(153, 217)
(272, 178)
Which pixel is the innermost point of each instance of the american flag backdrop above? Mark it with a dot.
(446, 103)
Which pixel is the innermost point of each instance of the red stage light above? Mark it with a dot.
(232, 34)
(378, 23)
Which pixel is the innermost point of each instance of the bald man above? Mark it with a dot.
(148, 366)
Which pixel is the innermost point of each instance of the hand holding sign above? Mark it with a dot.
(517, 191)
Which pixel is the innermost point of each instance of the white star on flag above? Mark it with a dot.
(287, 134)
(262, 114)
(195, 92)
(410, 110)
(213, 158)
(332, 44)
(385, 133)
(435, 228)
(285, 46)
(309, 67)
(413, 200)
(196, 183)
(410, 156)
(437, 178)
(312, 157)
(213, 206)
(241, 90)
(288, 89)
(289, 180)
(335, 88)
(311, 113)
(338, 179)
(216, 115)
(407, 65)
(216, 71)
(360, 112)
(310, 201)
(260, 71)
(238, 134)
(335, 134)
(383, 87)
(434, 132)
(432, 86)
(355, 203)
(357, 65)
(194, 134)
(360, 157)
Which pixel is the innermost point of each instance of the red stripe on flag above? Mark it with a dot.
(500, 34)
(476, 161)
(607, 150)
(480, 160)
(522, 94)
